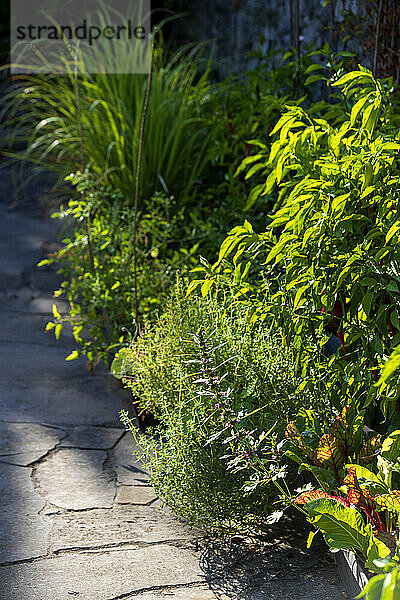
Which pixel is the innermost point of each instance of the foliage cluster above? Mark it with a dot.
(239, 375)
(328, 259)
(175, 223)
(223, 396)
(356, 507)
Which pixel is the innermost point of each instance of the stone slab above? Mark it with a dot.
(135, 494)
(26, 300)
(23, 532)
(96, 438)
(99, 576)
(24, 459)
(54, 391)
(44, 357)
(126, 464)
(22, 443)
(21, 241)
(75, 479)
(121, 525)
(302, 589)
(24, 327)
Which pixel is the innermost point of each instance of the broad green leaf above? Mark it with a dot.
(193, 286)
(352, 76)
(313, 67)
(383, 587)
(357, 108)
(367, 301)
(299, 294)
(254, 169)
(389, 501)
(338, 201)
(364, 473)
(247, 226)
(376, 550)
(342, 527)
(206, 286)
(310, 538)
(390, 146)
(255, 193)
(373, 589)
(55, 312)
(313, 79)
(370, 116)
(392, 231)
(391, 447)
(368, 190)
(390, 366)
(392, 286)
(227, 246)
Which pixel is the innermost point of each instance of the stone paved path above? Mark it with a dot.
(77, 516)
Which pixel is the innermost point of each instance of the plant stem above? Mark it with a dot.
(137, 183)
(82, 161)
(378, 521)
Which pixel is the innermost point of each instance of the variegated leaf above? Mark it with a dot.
(390, 501)
(330, 452)
(342, 430)
(311, 495)
(294, 436)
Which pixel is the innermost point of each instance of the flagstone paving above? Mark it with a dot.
(78, 518)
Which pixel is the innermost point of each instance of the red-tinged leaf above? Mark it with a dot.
(294, 435)
(357, 496)
(311, 495)
(330, 452)
(370, 449)
(351, 479)
(390, 501)
(342, 431)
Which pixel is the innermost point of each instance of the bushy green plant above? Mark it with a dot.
(96, 260)
(98, 256)
(222, 395)
(328, 259)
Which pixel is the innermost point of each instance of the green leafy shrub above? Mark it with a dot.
(328, 260)
(97, 256)
(222, 395)
(96, 260)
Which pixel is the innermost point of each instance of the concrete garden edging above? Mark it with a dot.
(351, 572)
